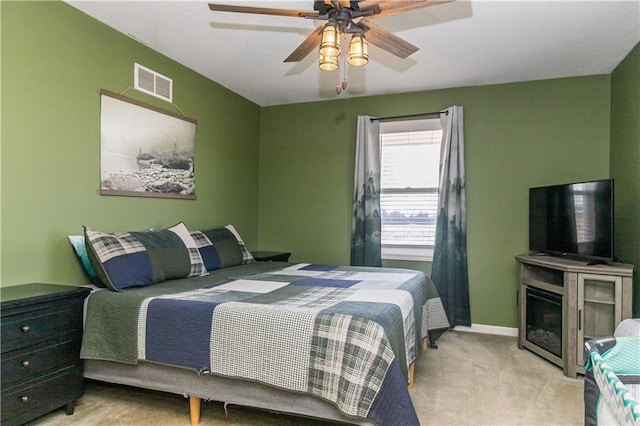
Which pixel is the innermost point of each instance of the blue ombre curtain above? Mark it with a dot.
(449, 269)
(366, 222)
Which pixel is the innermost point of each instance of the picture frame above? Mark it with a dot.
(145, 151)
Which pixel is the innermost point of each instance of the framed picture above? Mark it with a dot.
(145, 151)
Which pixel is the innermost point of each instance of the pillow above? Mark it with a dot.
(247, 257)
(221, 247)
(77, 242)
(139, 259)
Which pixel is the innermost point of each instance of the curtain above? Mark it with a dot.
(366, 221)
(449, 269)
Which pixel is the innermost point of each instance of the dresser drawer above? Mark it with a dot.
(23, 365)
(35, 398)
(35, 326)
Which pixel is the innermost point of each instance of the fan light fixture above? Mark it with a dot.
(330, 50)
(358, 51)
(328, 63)
(330, 47)
(330, 44)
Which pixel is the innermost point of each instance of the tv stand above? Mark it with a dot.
(597, 262)
(564, 302)
(575, 257)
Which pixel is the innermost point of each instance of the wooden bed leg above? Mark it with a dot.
(425, 343)
(412, 370)
(194, 409)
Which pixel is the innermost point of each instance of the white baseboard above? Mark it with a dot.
(488, 329)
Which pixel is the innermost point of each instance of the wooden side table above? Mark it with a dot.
(271, 256)
(41, 336)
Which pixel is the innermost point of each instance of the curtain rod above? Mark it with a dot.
(421, 114)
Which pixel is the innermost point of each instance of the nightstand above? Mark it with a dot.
(41, 327)
(271, 256)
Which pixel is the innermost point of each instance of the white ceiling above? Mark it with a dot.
(463, 43)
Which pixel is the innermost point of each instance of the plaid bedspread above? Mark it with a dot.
(344, 334)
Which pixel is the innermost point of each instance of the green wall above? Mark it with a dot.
(516, 135)
(625, 162)
(55, 60)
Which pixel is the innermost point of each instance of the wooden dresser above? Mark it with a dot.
(41, 333)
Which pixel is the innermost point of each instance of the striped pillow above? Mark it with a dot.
(138, 259)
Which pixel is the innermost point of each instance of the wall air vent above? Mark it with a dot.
(153, 83)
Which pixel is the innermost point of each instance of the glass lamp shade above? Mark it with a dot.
(358, 51)
(328, 63)
(330, 44)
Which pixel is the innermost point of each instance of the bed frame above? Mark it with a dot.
(230, 391)
(197, 387)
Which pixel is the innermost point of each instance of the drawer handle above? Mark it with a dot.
(24, 399)
(25, 328)
(25, 363)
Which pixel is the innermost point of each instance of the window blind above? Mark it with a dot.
(409, 187)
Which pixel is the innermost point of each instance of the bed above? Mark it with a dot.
(326, 341)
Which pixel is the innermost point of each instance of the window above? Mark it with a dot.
(410, 154)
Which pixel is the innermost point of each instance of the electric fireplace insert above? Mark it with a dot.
(544, 320)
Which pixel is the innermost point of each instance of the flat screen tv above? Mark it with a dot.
(573, 219)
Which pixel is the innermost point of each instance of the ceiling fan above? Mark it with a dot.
(344, 17)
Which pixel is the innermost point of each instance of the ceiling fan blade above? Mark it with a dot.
(307, 46)
(391, 7)
(386, 40)
(262, 10)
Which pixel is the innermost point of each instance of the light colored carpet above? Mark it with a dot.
(471, 379)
